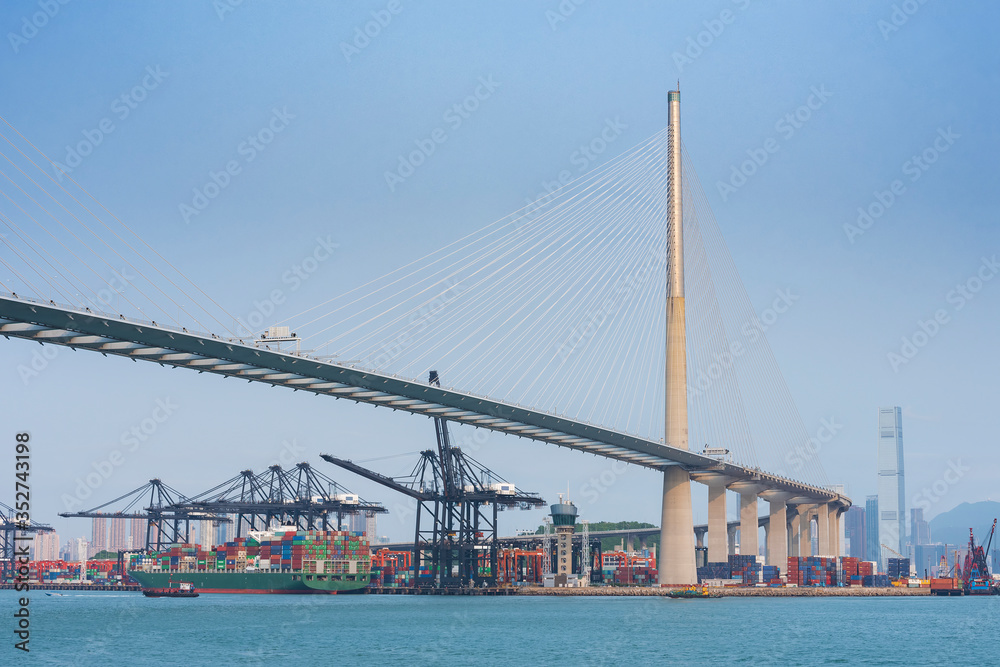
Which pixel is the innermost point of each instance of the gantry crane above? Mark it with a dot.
(9, 530)
(167, 520)
(462, 499)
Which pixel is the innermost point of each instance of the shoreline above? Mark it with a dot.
(596, 591)
(851, 591)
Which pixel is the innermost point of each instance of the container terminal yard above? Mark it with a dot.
(288, 536)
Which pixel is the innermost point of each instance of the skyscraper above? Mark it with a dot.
(920, 530)
(119, 535)
(46, 546)
(222, 532)
(891, 487)
(206, 534)
(926, 558)
(872, 548)
(138, 534)
(99, 535)
(78, 549)
(854, 526)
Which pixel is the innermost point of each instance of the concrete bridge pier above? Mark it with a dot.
(718, 549)
(805, 531)
(777, 536)
(831, 513)
(823, 530)
(767, 542)
(677, 566)
(835, 530)
(732, 539)
(806, 511)
(749, 526)
(793, 534)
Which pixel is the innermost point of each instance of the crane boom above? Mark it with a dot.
(891, 550)
(384, 480)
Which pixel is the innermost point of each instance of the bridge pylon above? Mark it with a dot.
(677, 561)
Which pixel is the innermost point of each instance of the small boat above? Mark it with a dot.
(692, 593)
(59, 595)
(184, 589)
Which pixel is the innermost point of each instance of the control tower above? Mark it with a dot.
(564, 521)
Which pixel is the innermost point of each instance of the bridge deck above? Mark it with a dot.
(48, 322)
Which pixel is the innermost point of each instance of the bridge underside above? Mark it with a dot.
(109, 334)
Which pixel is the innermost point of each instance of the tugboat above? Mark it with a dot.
(185, 589)
(692, 593)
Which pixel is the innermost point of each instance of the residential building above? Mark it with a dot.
(45, 546)
(98, 536)
(119, 535)
(138, 531)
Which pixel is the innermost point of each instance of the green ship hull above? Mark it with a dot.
(255, 582)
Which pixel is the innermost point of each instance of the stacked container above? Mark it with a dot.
(745, 567)
(899, 568)
(812, 571)
(714, 571)
(850, 571)
(333, 552)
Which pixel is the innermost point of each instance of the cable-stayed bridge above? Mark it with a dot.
(597, 319)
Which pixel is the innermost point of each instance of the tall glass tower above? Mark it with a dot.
(872, 548)
(891, 489)
(855, 529)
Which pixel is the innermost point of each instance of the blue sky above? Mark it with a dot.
(892, 85)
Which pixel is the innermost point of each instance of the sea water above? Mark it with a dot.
(90, 628)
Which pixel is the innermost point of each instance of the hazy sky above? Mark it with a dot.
(885, 87)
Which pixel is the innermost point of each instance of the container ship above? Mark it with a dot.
(282, 560)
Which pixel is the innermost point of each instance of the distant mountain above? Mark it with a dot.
(952, 527)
